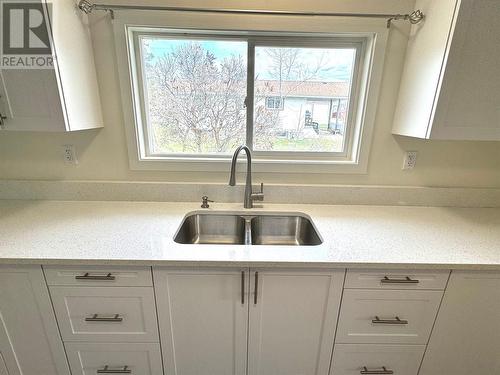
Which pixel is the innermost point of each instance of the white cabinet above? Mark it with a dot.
(116, 358)
(98, 276)
(351, 359)
(387, 316)
(29, 338)
(451, 80)
(203, 316)
(65, 97)
(105, 314)
(207, 317)
(466, 337)
(396, 279)
(292, 321)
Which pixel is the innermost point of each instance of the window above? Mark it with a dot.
(200, 97)
(194, 92)
(191, 96)
(275, 102)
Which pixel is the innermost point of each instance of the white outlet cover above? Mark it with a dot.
(69, 154)
(410, 160)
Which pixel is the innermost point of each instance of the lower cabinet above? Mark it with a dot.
(365, 359)
(247, 321)
(107, 318)
(115, 358)
(29, 339)
(466, 336)
(282, 321)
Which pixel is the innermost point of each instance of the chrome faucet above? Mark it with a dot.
(249, 195)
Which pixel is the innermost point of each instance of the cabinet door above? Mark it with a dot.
(466, 337)
(29, 339)
(468, 101)
(203, 318)
(293, 314)
(29, 99)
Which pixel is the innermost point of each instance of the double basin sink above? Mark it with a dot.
(229, 228)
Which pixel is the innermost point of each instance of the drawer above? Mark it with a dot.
(105, 314)
(92, 358)
(371, 316)
(98, 276)
(396, 279)
(351, 359)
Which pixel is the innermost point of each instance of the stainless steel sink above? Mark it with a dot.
(198, 228)
(293, 229)
(284, 230)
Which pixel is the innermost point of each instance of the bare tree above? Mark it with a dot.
(195, 101)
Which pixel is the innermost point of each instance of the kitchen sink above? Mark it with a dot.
(198, 228)
(295, 230)
(292, 229)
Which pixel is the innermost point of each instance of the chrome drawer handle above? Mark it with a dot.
(107, 370)
(97, 318)
(396, 320)
(384, 371)
(88, 276)
(406, 280)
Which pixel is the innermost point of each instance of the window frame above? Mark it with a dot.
(366, 84)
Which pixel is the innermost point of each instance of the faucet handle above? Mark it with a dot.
(259, 196)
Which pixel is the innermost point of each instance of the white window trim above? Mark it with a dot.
(371, 67)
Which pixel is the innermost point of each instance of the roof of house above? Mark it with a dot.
(303, 88)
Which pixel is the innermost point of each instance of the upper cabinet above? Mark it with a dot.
(450, 87)
(61, 97)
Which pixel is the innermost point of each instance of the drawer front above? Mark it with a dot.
(360, 359)
(371, 316)
(98, 276)
(396, 279)
(120, 358)
(105, 314)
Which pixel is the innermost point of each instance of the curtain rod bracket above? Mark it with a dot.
(414, 17)
(87, 7)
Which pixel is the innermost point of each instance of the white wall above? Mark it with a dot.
(102, 153)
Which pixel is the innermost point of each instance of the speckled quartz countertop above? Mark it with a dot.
(140, 233)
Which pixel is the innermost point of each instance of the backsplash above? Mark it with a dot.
(300, 194)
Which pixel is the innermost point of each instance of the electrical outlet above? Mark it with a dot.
(410, 160)
(70, 154)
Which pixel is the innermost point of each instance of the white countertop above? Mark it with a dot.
(141, 233)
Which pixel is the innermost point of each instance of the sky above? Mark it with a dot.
(336, 66)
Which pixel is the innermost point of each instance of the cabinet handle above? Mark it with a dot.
(97, 318)
(88, 276)
(406, 280)
(256, 288)
(107, 370)
(384, 371)
(2, 120)
(396, 320)
(242, 287)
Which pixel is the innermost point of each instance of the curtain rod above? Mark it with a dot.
(88, 7)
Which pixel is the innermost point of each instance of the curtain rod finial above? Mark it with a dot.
(86, 6)
(414, 17)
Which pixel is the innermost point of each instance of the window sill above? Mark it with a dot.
(260, 165)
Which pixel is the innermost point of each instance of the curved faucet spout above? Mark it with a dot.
(249, 196)
(232, 178)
